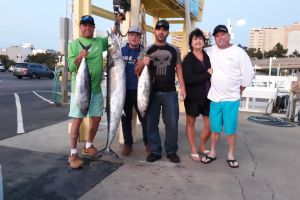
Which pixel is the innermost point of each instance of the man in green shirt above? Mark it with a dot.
(94, 60)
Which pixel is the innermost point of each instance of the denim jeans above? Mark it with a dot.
(130, 102)
(167, 102)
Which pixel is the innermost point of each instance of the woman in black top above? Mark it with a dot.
(197, 73)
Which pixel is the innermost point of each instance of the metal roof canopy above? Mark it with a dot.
(286, 63)
(169, 9)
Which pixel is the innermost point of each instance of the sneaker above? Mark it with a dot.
(152, 157)
(127, 150)
(89, 151)
(75, 162)
(173, 157)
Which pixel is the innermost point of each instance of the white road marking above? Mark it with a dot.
(19, 115)
(51, 102)
(24, 92)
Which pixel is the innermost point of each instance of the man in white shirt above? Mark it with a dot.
(232, 73)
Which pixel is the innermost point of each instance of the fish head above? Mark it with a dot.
(114, 51)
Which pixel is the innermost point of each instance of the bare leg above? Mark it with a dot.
(205, 133)
(213, 147)
(74, 132)
(231, 139)
(190, 132)
(94, 121)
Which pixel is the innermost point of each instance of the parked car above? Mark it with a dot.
(2, 67)
(11, 68)
(32, 70)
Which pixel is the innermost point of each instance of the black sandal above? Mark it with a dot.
(208, 159)
(231, 163)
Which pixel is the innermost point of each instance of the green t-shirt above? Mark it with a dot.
(94, 59)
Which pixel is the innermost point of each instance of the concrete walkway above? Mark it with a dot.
(268, 157)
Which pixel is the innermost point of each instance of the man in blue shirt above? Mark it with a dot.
(130, 54)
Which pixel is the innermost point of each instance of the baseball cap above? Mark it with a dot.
(87, 19)
(134, 29)
(162, 23)
(220, 28)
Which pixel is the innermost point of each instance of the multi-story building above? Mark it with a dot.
(177, 38)
(18, 53)
(61, 41)
(293, 37)
(266, 38)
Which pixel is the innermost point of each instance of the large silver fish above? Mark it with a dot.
(116, 92)
(143, 91)
(83, 85)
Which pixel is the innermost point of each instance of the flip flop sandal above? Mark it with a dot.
(231, 163)
(195, 157)
(208, 159)
(205, 152)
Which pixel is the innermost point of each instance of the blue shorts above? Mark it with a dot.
(224, 114)
(95, 109)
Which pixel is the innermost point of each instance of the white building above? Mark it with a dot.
(18, 53)
(267, 37)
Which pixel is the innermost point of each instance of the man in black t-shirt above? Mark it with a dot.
(165, 61)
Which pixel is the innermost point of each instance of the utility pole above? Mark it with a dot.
(64, 82)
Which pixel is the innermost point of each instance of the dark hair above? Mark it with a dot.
(195, 33)
(162, 23)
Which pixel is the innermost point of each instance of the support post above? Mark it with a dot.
(187, 22)
(132, 19)
(64, 83)
(80, 8)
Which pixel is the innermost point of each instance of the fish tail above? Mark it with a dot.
(105, 152)
(85, 47)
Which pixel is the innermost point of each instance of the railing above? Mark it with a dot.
(258, 99)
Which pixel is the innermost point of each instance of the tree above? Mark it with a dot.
(259, 54)
(269, 54)
(254, 53)
(50, 59)
(278, 51)
(251, 52)
(4, 59)
(295, 53)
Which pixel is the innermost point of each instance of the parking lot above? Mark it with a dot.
(26, 105)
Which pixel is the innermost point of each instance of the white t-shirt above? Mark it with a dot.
(232, 68)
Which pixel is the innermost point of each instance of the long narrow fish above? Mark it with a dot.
(116, 91)
(143, 91)
(83, 85)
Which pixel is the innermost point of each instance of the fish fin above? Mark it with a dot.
(105, 152)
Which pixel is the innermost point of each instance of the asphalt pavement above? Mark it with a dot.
(35, 110)
(267, 155)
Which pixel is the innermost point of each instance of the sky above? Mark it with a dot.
(37, 21)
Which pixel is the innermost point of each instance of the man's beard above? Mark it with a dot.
(161, 38)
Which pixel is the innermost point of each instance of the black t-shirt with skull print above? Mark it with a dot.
(162, 66)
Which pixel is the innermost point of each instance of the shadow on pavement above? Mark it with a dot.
(35, 175)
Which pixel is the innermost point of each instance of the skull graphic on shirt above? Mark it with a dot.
(162, 60)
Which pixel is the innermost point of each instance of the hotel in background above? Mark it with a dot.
(266, 38)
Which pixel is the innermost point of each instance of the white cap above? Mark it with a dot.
(134, 29)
